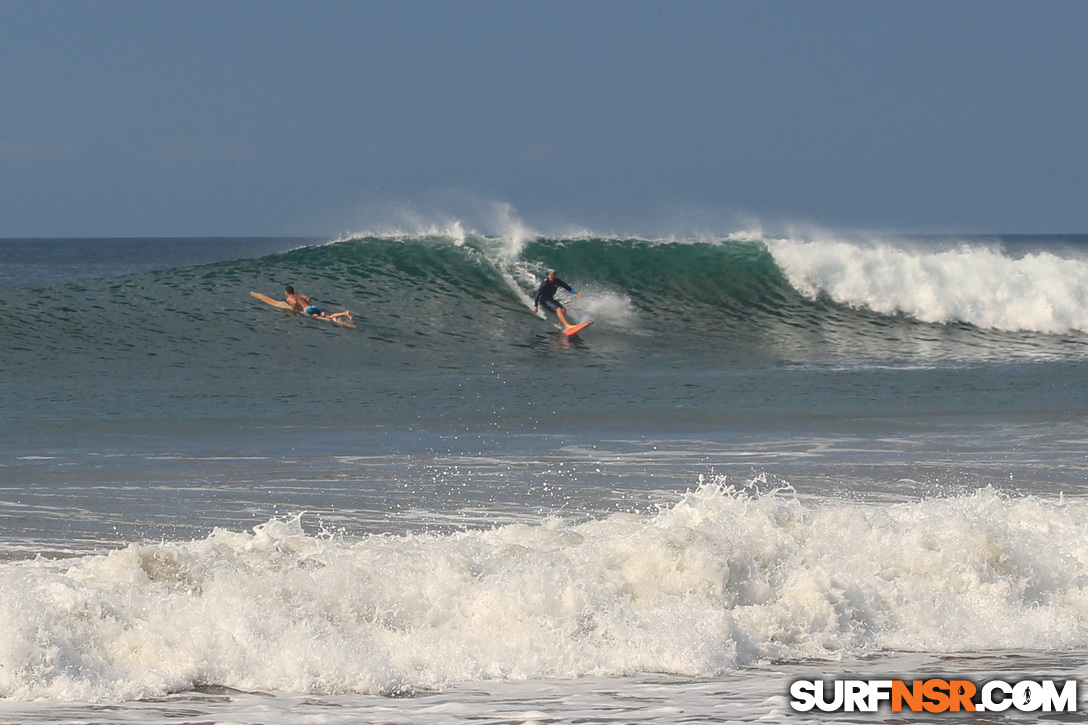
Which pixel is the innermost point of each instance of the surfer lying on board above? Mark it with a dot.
(303, 304)
(545, 296)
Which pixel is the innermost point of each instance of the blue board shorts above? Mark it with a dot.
(311, 310)
(551, 305)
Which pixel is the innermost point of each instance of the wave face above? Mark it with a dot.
(785, 297)
(188, 340)
(720, 579)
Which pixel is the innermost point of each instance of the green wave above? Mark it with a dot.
(433, 303)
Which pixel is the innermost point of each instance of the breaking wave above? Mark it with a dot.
(719, 579)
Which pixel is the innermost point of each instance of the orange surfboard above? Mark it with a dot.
(572, 331)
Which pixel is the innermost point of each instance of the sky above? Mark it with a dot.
(242, 117)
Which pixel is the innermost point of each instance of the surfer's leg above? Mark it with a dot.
(561, 313)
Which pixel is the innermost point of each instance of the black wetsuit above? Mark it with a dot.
(545, 294)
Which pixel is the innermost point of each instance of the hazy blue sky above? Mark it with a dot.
(239, 117)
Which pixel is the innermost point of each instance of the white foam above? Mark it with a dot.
(717, 580)
(604, 305)
(974, 283)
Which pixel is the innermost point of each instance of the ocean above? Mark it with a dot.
(769, 459)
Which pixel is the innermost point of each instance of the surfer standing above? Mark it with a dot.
(545, 296)
(303, 304)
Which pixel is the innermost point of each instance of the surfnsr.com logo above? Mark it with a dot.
(934, 695)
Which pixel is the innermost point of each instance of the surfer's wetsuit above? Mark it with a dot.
(545, 294)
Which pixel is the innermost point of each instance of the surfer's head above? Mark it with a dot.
(290, 290)
(550, 273)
